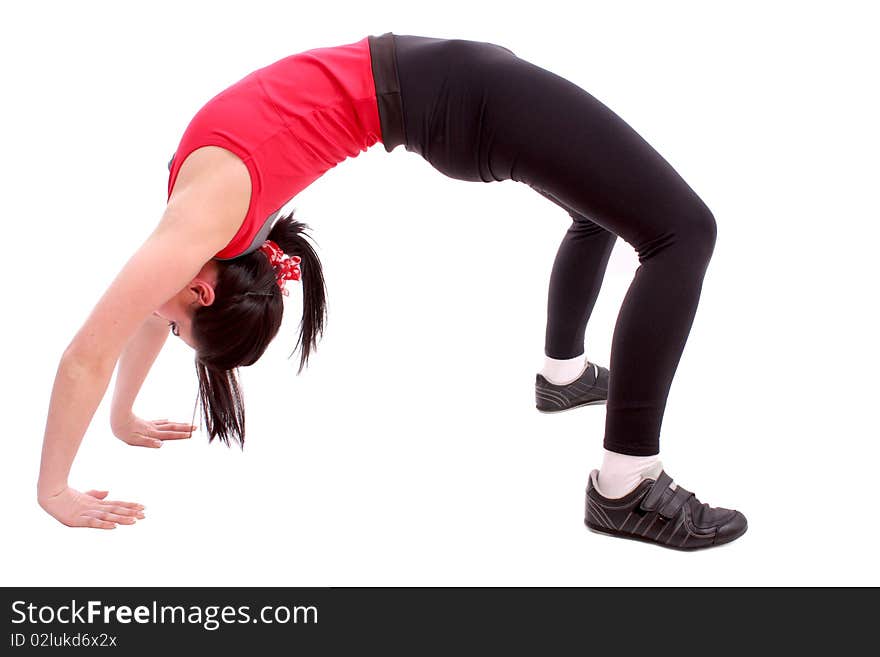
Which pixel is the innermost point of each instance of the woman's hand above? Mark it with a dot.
(142, 433)
(90, 509)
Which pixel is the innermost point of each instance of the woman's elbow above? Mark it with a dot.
(87, 357)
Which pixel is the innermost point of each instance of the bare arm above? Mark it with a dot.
(134, 364)
(201, 219)
(138, 357)
(85, 369)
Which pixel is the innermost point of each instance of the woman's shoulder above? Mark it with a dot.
(213, 190)
(214, 162)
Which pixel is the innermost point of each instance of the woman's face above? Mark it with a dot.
(178, 311)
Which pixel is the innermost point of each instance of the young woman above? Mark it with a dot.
(215, 267)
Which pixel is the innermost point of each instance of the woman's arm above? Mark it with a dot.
(138, 357)
(200, 220)
(134, 364)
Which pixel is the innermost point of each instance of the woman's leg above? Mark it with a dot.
(568, 379)
(554, 136)
(575, 281)
(476, 111)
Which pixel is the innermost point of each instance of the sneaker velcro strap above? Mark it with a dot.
(673, 506)
(652, 499)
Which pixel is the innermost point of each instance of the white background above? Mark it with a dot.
(410, 451)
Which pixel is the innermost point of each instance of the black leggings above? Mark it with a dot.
(475, 111)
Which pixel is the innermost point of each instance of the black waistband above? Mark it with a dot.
(384, 64)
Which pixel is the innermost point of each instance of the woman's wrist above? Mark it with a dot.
(120, 418)
(49, 488)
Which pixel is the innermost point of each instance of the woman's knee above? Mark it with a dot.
(687, 236)
(701, 231)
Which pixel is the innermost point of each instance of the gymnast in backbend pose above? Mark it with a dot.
(215, 268)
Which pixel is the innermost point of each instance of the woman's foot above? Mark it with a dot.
(658, 511)
(591, 387)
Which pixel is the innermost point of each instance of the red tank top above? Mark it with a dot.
(289, 122)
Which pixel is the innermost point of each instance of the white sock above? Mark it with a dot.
(564, 371)
(621, 473)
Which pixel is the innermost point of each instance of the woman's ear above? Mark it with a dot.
(203, 284)
(203, 292)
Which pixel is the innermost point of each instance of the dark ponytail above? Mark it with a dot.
(289, 235)
(235, 330)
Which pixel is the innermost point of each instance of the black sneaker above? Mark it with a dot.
(656, 513)
(591, 387)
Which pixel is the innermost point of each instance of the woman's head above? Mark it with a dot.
(236, 326)
(178, 311)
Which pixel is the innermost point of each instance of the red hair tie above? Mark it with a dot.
(286, 267)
